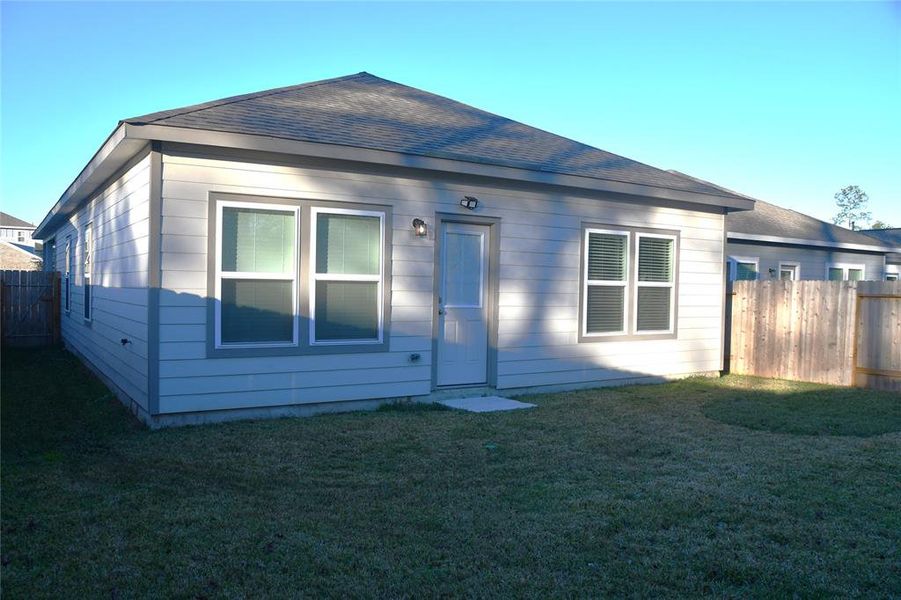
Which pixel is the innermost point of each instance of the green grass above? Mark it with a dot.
(634, 491)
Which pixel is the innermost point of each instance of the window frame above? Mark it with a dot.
(303, 268)
(631, 293)
(252, 275)
(733, 267)
(846, 269)
(794, 267)
(639, 284)
(315, 277)
(87, 272)
(586, 283)
(70, 263)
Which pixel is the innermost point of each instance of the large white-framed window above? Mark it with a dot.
(604, 282)
(347, 276)
(87, 272)
(789, 271)
(256, 280)
(744, 268)
(69, 267)
(655, 283)
(845, 271)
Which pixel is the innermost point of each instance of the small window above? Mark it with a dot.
(347, 276)
(855, 274)
(655, 284)
(745, 271)
(88, 256)
(21, 236)
(256, 276)
(67, 278)
(789, 271)
(606, 276)
(891, 277)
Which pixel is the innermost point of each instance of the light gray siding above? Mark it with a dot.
(120, 215)
(812, 261)
(538, 290)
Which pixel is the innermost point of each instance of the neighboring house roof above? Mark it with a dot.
(771, 223)
(11, 221)
(890, 236)
(366, 119)
(23, 249)
(366, 111)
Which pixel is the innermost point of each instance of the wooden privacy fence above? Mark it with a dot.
(29, 308)
(837, 332)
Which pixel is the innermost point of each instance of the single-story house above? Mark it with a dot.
(338, 244)
(890, 237)
(772, 242)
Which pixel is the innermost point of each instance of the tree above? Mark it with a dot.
(877, 224)
(852, 205)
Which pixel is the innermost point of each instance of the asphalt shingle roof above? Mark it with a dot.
(11, 221)
(769, 219)
(366, 111)
(891, 236)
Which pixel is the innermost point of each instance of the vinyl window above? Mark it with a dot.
(256, 275)
(744, 268)
(605, 282)
(346, 277)
(655, 283)
(844, 272)
(87, 273)
(628, 283)
(68, 267)
(789, 271)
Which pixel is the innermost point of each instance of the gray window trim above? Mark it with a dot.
(303, 347)
(631, 287)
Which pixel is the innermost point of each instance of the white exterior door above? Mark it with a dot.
(463, 305)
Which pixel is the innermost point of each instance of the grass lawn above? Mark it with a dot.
(736, 486)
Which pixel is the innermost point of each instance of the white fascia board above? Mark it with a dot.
(775, 239)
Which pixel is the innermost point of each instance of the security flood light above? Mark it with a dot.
(469, 202)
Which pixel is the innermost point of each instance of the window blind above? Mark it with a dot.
(654, 293)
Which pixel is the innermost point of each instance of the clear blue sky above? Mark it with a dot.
(785, 102)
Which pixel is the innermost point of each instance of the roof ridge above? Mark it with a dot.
(191, 108)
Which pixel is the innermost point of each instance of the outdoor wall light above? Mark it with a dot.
(470, 202)
(420, 228)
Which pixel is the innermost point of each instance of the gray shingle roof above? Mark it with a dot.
(890, 236)
(771, 220)
(11, 221)
(365, 111)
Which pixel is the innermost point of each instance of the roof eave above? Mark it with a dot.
(129, 139)
(206, 137)
(115, 152)
(775, 239)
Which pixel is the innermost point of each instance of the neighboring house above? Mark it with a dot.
(772, 242)
(18, 257)
(338, 244)
(16, 230)
(892, 238)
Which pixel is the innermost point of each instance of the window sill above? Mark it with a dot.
(629, 337)
(301, 350)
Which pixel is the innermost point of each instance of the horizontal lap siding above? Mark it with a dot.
(538, 292)
(120, 215)
(812, 261)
